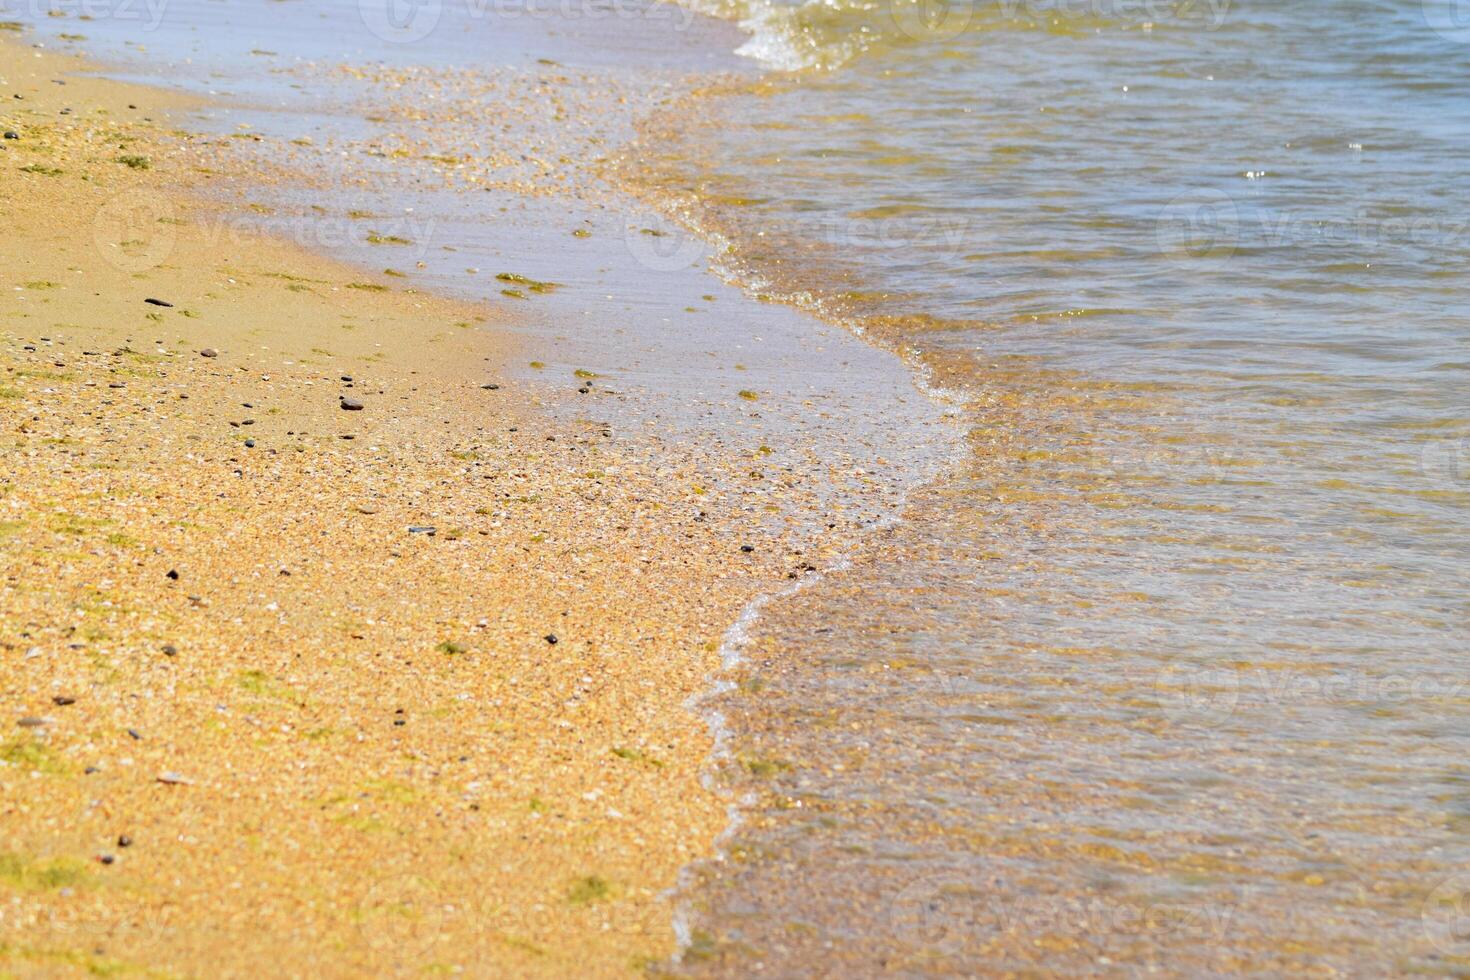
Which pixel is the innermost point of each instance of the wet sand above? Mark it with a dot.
(254, 713)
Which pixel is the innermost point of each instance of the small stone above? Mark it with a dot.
(174, 779)
(11, 134)
(249, 443)
(157, 302)
(169, 650)
(347, 377)
(422, 529)
(747, 548)
(61, 700)
(550, 638)
(137, 735)
(124, 841)
(106, 858)
(351, 405)
(31, 721)
(173, 574)
(491, 387)
(209, 352)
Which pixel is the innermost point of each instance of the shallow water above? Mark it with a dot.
(1170, 673)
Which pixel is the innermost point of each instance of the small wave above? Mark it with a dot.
(824, 35)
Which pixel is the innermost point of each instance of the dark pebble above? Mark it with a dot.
(91, 771)
(399, 721)
(62, 700)
(209, 352)
(551, 638)
(351, 405)
(124, 841)
(106, 858)
(157, 302)
(10, 134)
(346, 377)
(135, 733)
(169, 650)
(173, 573)
(421, 529)
(249, 443)
(491, 387)
(746, 548)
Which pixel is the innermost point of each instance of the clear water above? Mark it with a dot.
(1171, 673)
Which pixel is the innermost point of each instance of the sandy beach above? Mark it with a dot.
(323, 646)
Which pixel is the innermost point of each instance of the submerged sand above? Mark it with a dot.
(255, 717)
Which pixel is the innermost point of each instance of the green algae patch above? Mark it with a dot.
(261, 684)
(94, 965)
(589, 891)
(525, 945)
(20, 873)
(534, 285)
(32, 756)
(135, 162)
(637, 755)
(765, 768)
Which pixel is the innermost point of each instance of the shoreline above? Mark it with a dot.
(273, 704)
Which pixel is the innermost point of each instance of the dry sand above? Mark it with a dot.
(249, 722)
